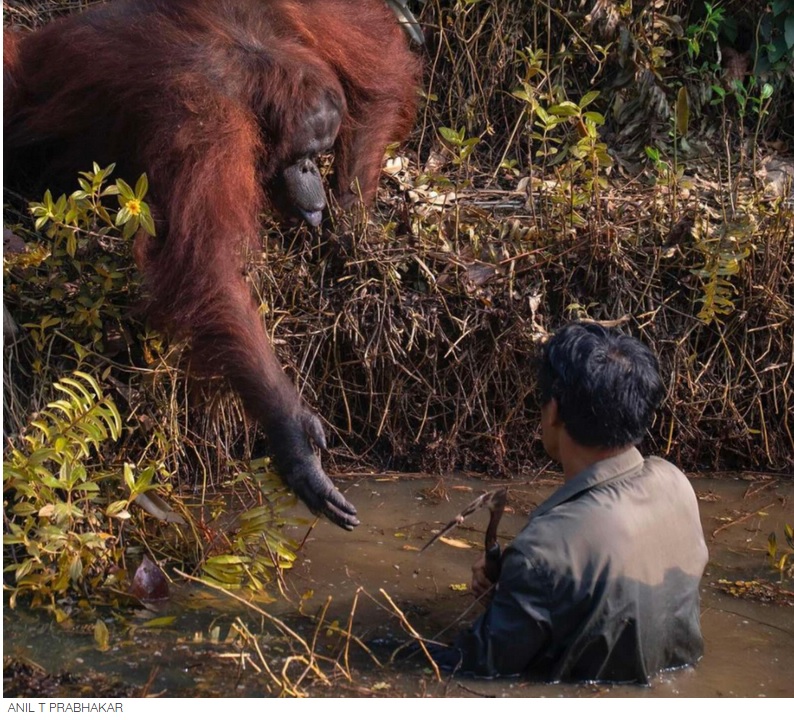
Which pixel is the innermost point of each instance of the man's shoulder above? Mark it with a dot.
(652, 463)
(592, 517)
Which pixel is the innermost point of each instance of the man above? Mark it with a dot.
(602, 583)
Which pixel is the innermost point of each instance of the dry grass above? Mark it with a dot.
(419, 351)
(413, 335)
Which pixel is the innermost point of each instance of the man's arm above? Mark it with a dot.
(515, 628)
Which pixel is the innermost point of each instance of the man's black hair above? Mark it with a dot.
(606, 384)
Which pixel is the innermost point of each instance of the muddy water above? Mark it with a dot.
(749, 645)
(749, 642)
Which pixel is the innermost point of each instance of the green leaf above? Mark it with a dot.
(60, 206)
(122, 216)
(76, 569)
(102, 212)
(146, 220)
(778, 49)
(227, 560)
(129, 478)
(131, 227)
(451, 136)
(116, 508)
(604, 159)
(108, 171)
(24, 508)
(142, 186)
(145, 480)
(564, 109)
(125, 190)
(87, 487)
(595, 117)
(788, 30)
(39, 457)
(588, 98)
(91, 381)
(65, 385)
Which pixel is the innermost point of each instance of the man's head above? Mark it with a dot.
(605, 385)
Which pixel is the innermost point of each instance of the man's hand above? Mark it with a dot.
(480, 584)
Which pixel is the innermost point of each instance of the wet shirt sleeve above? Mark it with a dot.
(516, 627)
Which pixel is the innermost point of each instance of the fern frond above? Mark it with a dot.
(725, 248)
(84, 418)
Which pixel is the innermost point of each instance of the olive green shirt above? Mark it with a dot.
(602, 583)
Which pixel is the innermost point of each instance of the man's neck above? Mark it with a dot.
(575, 458)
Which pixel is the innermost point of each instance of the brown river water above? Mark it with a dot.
(747, 614)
